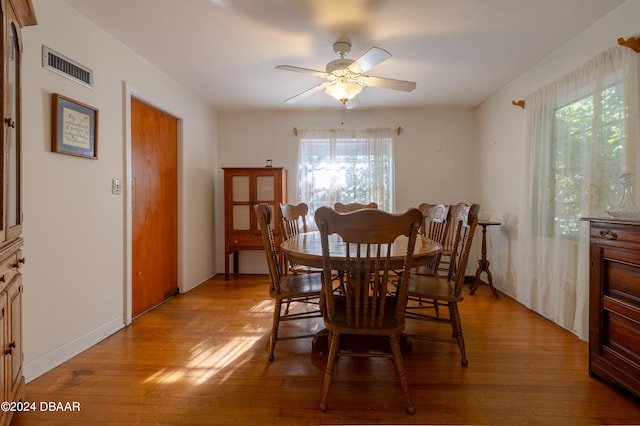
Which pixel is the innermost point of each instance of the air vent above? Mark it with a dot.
(60, 64)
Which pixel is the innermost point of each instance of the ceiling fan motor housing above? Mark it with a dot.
(338, 64)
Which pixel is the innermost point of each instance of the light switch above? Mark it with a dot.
(116, 186)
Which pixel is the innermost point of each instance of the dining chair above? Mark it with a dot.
(366, 307)
(445, 291)
(435, 226)
(345, 208)
(444, 263)
(303, 289)
(294, 221)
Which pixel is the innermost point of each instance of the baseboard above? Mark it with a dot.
(35, 369)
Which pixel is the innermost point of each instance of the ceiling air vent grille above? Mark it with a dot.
(60, 64)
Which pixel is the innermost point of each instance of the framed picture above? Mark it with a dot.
(74, 127)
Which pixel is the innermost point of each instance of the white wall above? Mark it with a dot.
(74, 228)
(433, 154)
(500, 144)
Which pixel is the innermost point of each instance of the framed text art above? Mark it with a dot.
(74, 127)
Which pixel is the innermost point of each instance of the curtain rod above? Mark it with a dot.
(632, 43)
(398, 131)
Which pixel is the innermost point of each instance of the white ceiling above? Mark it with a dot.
(458, 52)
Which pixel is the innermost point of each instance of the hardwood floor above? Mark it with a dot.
(201, 359)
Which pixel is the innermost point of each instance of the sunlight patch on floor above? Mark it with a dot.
(206, 360)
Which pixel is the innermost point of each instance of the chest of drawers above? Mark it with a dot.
(614, 302)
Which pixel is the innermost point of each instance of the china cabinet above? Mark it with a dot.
(614, 302)
(245, 187)
(15, 15)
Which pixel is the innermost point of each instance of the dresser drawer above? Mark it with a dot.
(617, 234)
(621, 337)
(9, 267)
(621, 277)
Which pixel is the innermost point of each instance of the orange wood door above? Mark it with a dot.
(154, 164)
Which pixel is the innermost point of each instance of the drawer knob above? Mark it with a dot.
(18, 263)
(608, 235)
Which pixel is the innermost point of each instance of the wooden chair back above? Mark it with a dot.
(294, 219)
(345, 208)
(445, 265)
(435, 226)
(367, 235)
(264, 214)
(466, 220)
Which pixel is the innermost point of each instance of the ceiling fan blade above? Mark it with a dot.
(389, 83)
(353, 102)
(302, 70)
(306, 93)
(369, 59)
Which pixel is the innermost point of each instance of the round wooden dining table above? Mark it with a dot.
(306, 249)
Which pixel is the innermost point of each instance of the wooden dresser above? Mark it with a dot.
(243, 188)
(614, 302)
(15, 14)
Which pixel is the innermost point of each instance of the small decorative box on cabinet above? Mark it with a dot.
(243, 188)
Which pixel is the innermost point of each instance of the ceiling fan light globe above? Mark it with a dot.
(343, 90)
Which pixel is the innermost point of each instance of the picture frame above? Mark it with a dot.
(74, 127)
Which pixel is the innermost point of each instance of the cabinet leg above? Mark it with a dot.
(236, 267)
(226, 266)
(227, 271)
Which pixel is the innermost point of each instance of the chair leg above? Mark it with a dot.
(274, 329)
(397, 358)
(334, 343)
(457, 331)
(436, 305)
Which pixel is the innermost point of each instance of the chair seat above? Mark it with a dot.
(434, 287)
(302, 285)
(423, 270)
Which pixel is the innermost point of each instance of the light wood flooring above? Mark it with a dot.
(201, 359)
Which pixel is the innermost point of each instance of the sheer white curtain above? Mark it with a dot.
(346, 166)
(582, 134)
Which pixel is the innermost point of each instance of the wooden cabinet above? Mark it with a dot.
(614, 302)
(15, 15)
(243, 188)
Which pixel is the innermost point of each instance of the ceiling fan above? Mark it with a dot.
(345, 77)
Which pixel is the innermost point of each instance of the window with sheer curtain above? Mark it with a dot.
(347, 166)
(583, 134)
(591, 127)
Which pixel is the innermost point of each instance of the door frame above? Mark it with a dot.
(131, 91)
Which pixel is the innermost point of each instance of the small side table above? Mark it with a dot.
(483, 263)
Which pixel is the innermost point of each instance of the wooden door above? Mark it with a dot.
(154, 164)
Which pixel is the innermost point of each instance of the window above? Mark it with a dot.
(591, 127)
(582, 135)
(346, 166)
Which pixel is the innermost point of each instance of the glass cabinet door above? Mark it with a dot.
(266, 189)
(12, 135)
(240, 197)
